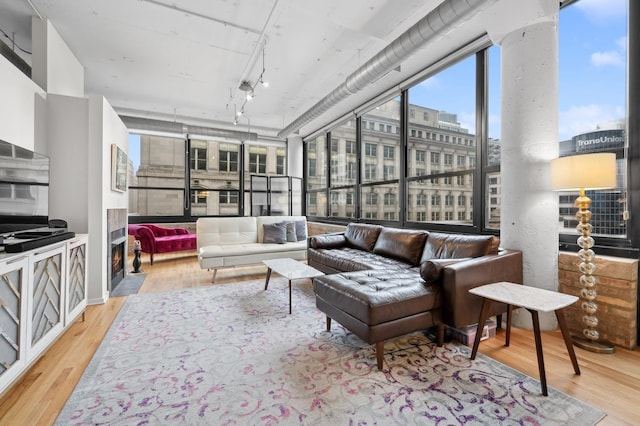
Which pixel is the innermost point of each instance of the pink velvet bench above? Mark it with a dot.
(156, 239)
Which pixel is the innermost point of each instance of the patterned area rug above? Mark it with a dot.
(231, 354)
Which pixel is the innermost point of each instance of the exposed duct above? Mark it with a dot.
(436, 23)
(148, 124)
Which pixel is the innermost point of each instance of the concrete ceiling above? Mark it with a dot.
(184, 60)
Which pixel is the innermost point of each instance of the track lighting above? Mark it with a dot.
(246, 86)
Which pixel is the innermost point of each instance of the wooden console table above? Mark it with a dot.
(534, 300)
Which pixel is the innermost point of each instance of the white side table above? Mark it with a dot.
(534, 300)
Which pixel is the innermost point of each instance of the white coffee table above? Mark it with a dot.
(290, 269)
(534, 300)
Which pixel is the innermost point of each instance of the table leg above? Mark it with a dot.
(289, 297)
(266, 283)
(484, 313)
(507, 338)
(562, 322)
(536, 334)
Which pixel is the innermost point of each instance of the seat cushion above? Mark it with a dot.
(350, 259)
(178, 242)
(376, 297)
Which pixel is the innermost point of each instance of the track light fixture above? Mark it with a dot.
(246, 86)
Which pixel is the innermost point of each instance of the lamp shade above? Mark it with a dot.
(586, 171)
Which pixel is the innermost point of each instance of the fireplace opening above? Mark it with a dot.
(117, 263)
(116, 246)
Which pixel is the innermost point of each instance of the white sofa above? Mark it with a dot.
(236, 241)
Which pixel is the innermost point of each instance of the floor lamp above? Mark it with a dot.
(582, 172)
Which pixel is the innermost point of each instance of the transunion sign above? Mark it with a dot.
(602, 140)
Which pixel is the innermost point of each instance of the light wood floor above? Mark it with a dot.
(609, 382)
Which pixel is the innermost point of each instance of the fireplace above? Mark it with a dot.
(117, 257)
(116, 246)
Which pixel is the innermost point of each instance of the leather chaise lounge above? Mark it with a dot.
(385, 282)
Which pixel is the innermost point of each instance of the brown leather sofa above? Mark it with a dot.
(384, 282)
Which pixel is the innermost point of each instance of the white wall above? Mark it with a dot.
(81, 132)
(113, 131)
(55, 67)
(18, 106)
(294, 154)
(68, 141)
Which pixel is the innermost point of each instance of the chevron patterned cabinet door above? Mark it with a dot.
(76, 295)
(46, 297)
(13, 280)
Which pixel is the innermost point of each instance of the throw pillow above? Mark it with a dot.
(291, 232)
(275, 233)
(431, 270)
(301, 230)
(328, 241)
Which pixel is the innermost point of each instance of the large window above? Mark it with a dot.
(343, 170)
(381, 162)
(228, 158)
(162, 189)
(157, 181)
(444, 109)
(198, 155)
(316, 176)
(258, 160)
(425, 146)
(592, 106)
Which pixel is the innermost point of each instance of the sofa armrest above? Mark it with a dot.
(327, 241)
(145, 236)
(463, 308)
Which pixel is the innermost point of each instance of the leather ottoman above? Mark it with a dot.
(376, 305)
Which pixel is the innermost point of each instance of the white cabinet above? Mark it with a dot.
(42, 291)
(13, 318)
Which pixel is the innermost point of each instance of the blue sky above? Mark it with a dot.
(134, 150)
(592, 76)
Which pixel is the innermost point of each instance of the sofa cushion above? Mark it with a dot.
(350, 259)
(455, 246)
(275, 233)
(402, 244)
(431, 270)
(301, 229)
(291, 232)
(227, 230)
(362, 235)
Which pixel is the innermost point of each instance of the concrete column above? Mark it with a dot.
(294, 154)
(529, 209)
